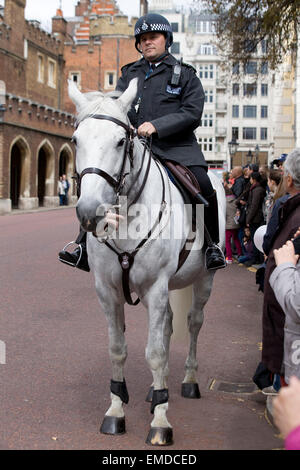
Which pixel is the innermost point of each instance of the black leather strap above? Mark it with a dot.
(159, 397)
(114, 183)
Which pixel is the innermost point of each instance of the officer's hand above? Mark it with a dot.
(146, 129)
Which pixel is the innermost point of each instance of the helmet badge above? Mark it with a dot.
(145, 26)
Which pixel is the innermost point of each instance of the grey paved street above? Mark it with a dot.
(55, 382)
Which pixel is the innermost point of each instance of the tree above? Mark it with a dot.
(242, 25)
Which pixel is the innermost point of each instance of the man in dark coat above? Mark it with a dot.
(168, 107)
(289, 222)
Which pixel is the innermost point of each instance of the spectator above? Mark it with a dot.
(285, 282)
(239, 181)
(273, 315)
(232, 226)
(248, 248)
(61, 191)
(286, 411)
(66, 185)
(254, 213)
(274, 180)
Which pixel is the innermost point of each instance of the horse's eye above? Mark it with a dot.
(121, 143)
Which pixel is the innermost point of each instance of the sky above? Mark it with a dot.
(43, 11)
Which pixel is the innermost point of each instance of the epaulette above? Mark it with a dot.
(127, 65)
(189, 66)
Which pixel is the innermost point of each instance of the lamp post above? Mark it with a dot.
(233, 146)
(249, 157)
(256, 153)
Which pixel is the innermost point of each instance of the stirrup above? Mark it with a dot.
(223, 264)
(79, 259)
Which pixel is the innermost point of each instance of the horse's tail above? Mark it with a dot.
(181, 302)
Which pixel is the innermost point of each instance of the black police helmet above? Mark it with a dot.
(152, 22)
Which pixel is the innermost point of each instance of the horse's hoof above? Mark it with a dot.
(150, 395)
(160, 437)
(190, 390)
(113, 425)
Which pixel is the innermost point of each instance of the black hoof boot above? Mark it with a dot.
(150, 395)
(78, 258)
(160, 437)
(113, 425)
(190, 390)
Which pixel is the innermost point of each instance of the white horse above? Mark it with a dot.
(110, 159)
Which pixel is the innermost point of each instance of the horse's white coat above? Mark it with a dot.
(153, 275)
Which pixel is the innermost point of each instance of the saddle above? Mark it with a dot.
(186, 182)
(189, 187)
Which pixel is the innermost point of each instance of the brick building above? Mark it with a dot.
(99, 40)
(36, 114)
(35, 129)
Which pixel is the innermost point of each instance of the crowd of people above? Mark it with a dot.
(251, 192)
(270, 197)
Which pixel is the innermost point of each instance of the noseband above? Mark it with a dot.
(128, 152)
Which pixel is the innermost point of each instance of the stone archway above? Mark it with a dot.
(20, 174)
(45, 175)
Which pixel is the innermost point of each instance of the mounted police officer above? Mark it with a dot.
(168, 107)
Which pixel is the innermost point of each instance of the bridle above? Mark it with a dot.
(117, 184)
(126, 259)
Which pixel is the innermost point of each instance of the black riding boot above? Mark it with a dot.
(78, 258)
(215, 258)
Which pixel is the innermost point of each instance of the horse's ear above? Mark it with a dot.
(76, 96)
(129, 94)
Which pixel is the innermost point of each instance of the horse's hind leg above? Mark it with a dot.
(201, 293)
(114, 420)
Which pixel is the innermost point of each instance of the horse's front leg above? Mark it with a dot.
(114, 420)
(157, 350)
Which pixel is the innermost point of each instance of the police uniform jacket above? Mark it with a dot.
(174, 110)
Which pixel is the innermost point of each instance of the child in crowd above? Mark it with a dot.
(248, 247)
(232, 225)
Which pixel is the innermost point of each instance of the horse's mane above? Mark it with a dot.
(97, 102)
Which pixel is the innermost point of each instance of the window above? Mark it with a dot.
(250, 46)
(236, 68)
(264, 89)
(207, 120)
(263, 133)
(235, 89)
(264, 68)
(249, 133)
(235, 111)
(264, 46)
(40, 68)
(264, 111)
(110, 80)
(204, 27)
(206, 71)
(175, 48)
(209, 96)
(207, 49)
(250, 89)
(249, 111)
(76, 78)
(235, 133)
(250, 67)
(51, 73)
(174, 27)
(206, 144)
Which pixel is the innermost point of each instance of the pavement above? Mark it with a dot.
(56, 375)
